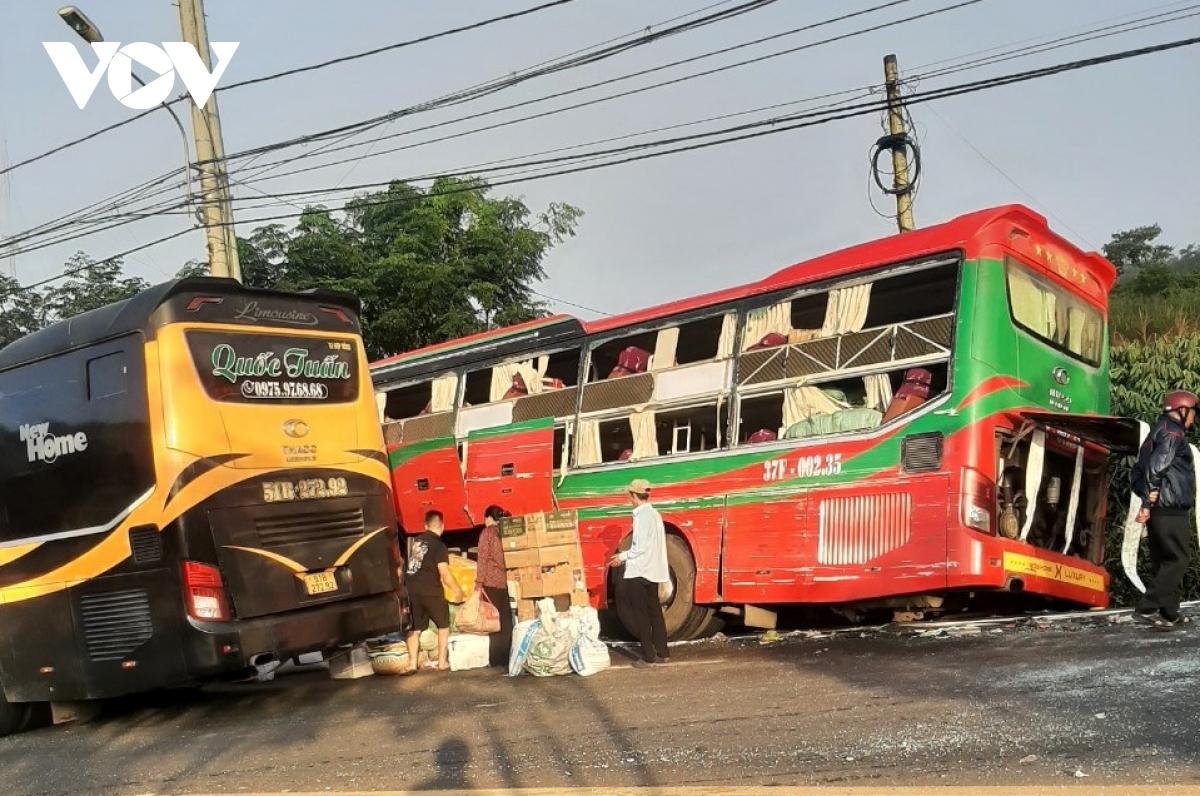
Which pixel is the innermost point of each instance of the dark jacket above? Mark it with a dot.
(1165, 463)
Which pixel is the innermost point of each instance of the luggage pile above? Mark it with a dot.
(544, 560)
(557, 631)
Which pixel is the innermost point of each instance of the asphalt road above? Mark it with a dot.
(1087, 703)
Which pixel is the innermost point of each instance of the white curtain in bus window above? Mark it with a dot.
(380, 405)
(1084, 335)
(767, 320)
(665, 346)
(502, 377)
(445, 389)
(645, 437)
(1033, 305)
(879, 391)
(804, 401)
(728, 331)
(587, 442)
(847, 310)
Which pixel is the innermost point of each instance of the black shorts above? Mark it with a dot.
(426, 608)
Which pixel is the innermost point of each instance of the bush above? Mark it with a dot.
(1143, 370)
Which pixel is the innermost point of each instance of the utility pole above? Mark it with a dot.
(215, 205)
(899, 137)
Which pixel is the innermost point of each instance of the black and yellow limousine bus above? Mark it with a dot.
(192, 482)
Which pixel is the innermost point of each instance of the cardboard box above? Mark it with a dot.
(570, 554)
(580, 598)
(517, 559)
(560, 579)
(526, 581)
(351, 664)
(527, 608)
(521, 533)
(557, 528)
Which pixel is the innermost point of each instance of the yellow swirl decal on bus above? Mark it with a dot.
(1018, 564)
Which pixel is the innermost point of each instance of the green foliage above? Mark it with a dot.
(90, 286)
(21, 311)
(1142, 373)
(428, 264)
(1135, 249)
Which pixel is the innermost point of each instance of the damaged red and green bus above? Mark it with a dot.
(898, 426)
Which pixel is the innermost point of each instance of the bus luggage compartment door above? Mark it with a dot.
(511, 466)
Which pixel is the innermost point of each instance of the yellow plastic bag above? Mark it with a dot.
(462, 569)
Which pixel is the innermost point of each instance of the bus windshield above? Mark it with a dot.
(1054, 315)
(248, 367)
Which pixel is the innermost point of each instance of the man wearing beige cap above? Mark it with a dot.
(645, 568)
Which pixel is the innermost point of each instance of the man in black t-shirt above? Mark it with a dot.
(428, 572)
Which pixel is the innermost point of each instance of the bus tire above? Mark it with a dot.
(14, 716)
(712, 624)
(680, 612)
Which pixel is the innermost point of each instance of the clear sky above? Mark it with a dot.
(1097, 151)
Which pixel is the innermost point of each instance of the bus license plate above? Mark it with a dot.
(320, 583)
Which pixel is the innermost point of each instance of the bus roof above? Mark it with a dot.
(134, 314)
(928, 241)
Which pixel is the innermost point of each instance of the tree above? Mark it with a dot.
(22, 311)
(1134, 250)
(91, 285)
(427, 264)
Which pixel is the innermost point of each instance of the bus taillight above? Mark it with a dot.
(204, 592)
(977, 500)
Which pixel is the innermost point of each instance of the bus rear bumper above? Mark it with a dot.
(215, 649)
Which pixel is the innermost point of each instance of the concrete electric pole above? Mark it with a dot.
(216, 207)
(899, 138)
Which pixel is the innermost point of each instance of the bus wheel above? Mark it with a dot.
(14, 716)
(680, 613)
(712, 624)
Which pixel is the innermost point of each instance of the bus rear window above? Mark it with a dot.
(275, 369)
(1054, 315)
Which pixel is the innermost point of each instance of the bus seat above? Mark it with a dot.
(625, 455)
(632, 360)
(769, 340)
(762, 435)
(518, 388)
(912, 393)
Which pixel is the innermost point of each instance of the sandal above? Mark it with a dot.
(1153, 619)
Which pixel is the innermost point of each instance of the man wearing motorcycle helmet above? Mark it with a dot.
(1165, 480)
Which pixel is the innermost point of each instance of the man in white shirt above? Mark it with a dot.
(645, 568)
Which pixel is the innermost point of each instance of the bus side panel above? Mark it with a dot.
(880, 538)
(512, 467)
(427, 475)
(75, 448)
(75, 459)
(768, 552)
(38, 633)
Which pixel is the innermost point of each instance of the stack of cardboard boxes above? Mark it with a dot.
(544, 559)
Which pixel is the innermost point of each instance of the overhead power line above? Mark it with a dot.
(781, 125)
(288, 73)
(604, 49)
(485, 89)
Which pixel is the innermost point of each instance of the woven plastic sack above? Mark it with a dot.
(589, 656)
(549, 654)
(521, 639)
